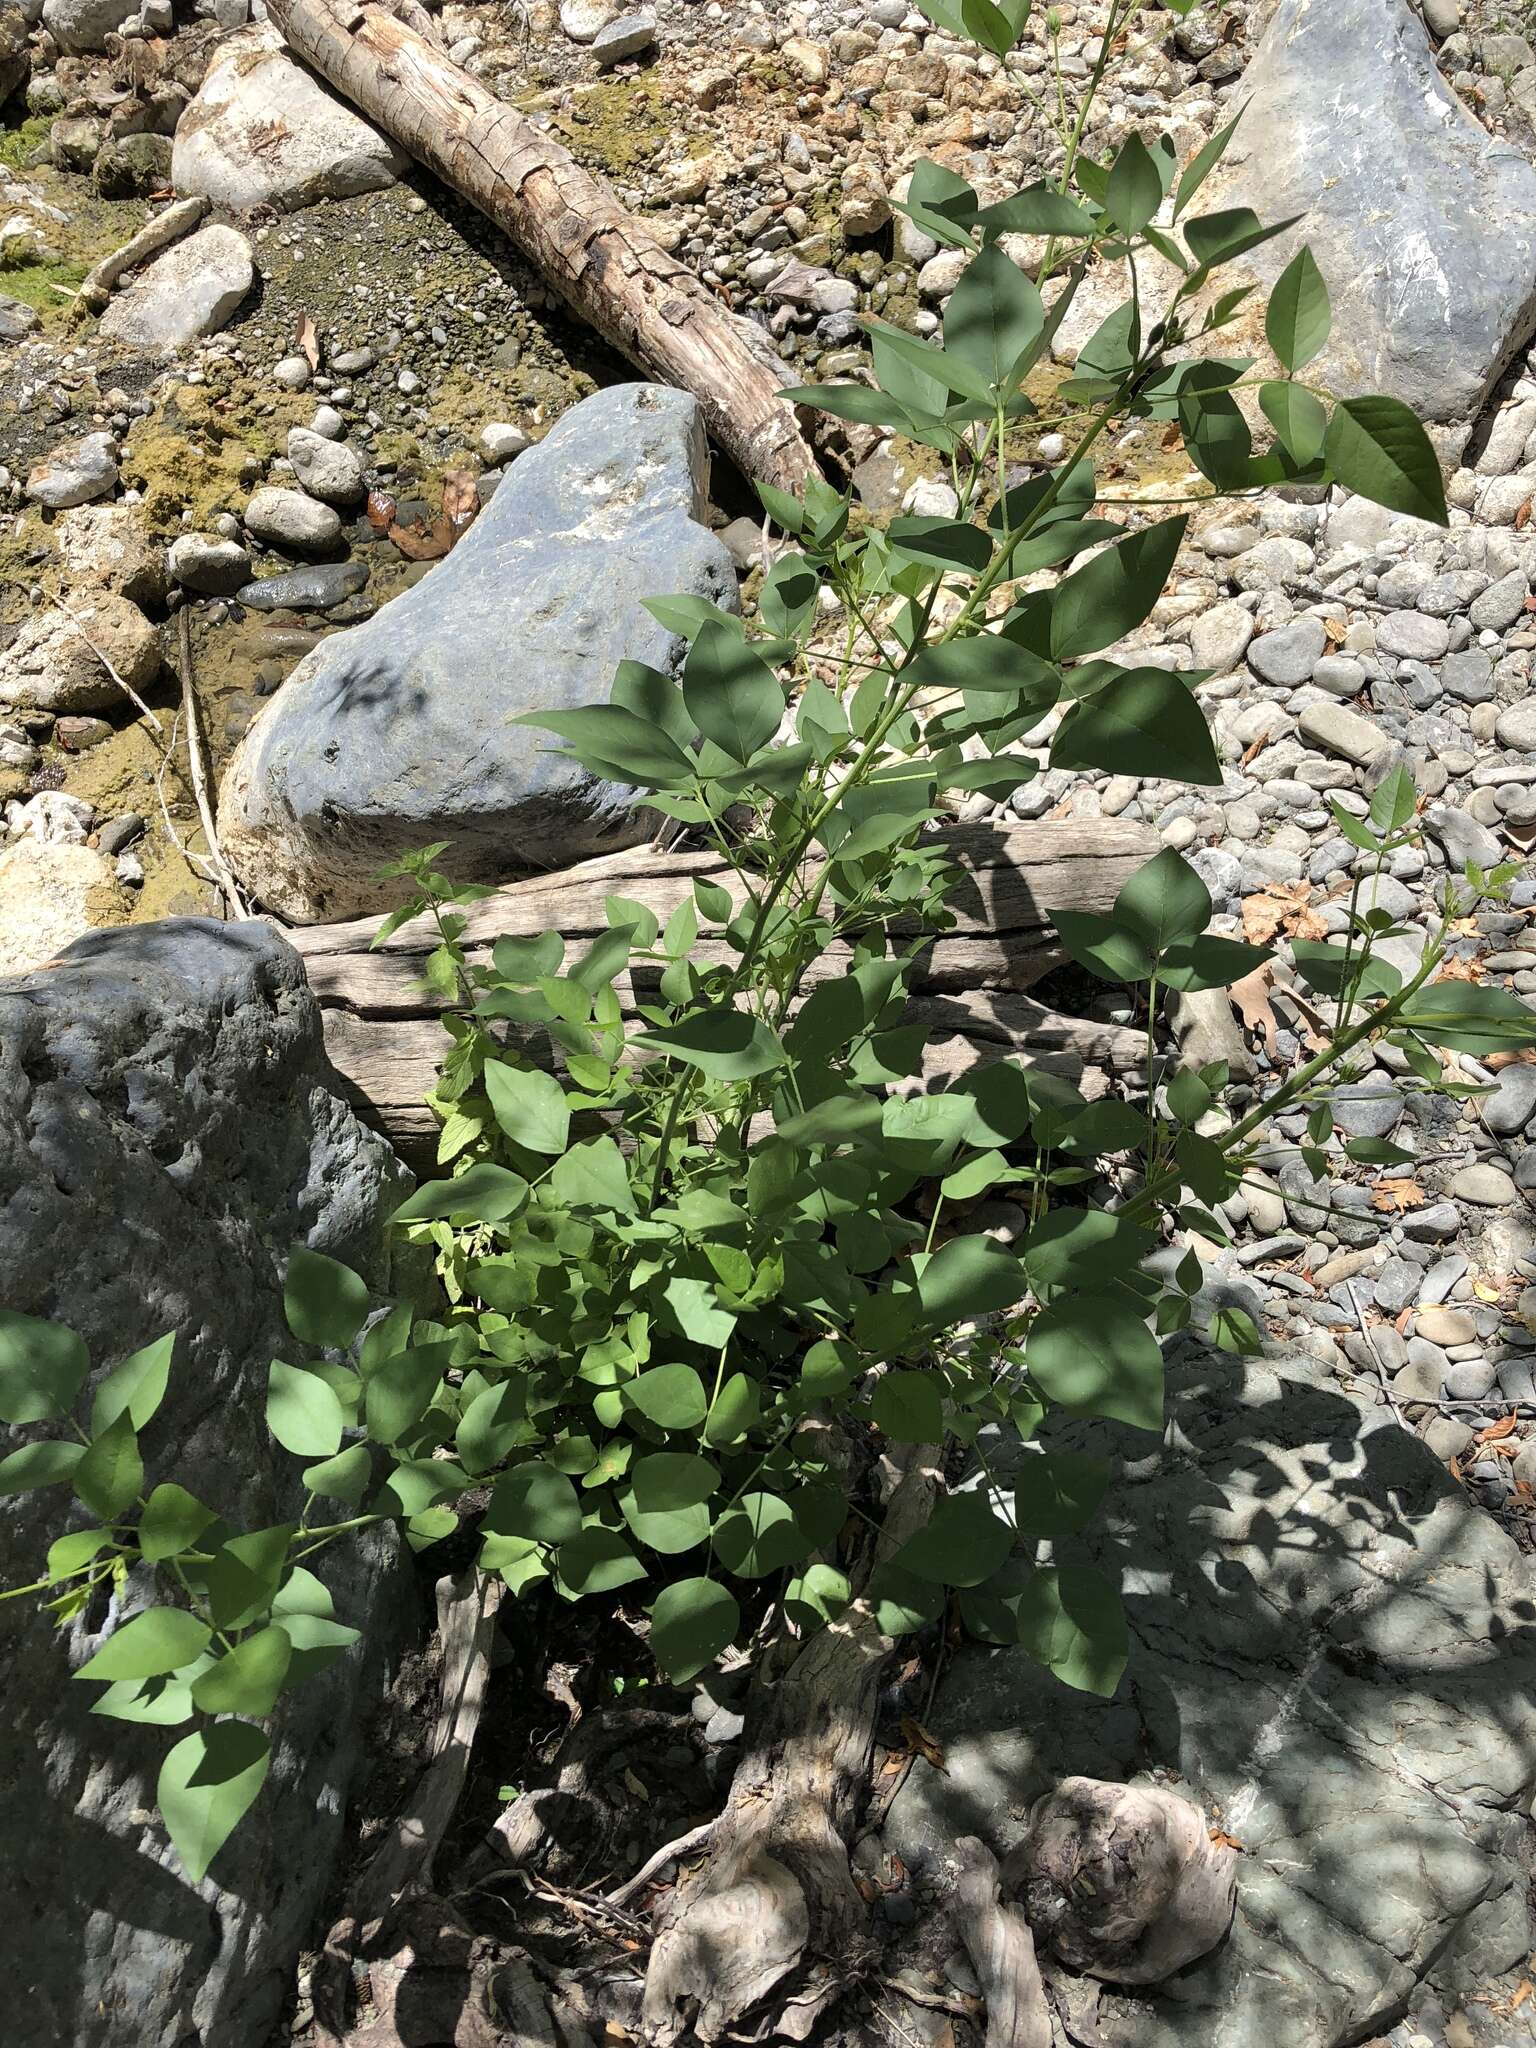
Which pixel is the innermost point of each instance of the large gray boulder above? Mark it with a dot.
(398, 733)
(169, 1127)
(1423, 224)
(262, 131)
(1332, 1651)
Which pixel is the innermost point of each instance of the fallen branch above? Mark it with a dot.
(603, 261)
(159, 233)
(226, 880)
(671, 1852)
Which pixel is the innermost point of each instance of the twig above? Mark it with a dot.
(581, 1904)
(226, 878)
(696, 1838)
(126, 687)
(1381, 1370)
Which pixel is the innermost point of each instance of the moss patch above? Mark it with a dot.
(17, 144)
(204, 446)
(619, 123)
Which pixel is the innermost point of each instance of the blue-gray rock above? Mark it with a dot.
(1329, 1648)
(1512, 1102)
(169, 1128)
(1462, 838)
(315, 589)
(399, 733)
(1434, 281)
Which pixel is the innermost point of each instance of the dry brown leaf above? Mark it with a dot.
(922, 1744)
(1461, 970)
(1522, 1992)
(1395, 1195)
(1251, 996)
(1225, 1841)
(308, 341)
(1523, 517)
(1282, 907)
(421, 543)
(1495, 1062)
(1497, 1431)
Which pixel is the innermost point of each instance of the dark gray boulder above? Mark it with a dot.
(398, 733)
(1334, 1653)
(169, 1127)
(1423, 224)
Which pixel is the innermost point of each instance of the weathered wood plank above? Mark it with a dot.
(381, 1022)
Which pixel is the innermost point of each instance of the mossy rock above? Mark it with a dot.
(133, 166)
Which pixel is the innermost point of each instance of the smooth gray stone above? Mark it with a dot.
(1433, 278)
(314, 589)
(1512, 1104)
(1329, 1648)
(169, 1128)
(399, 732)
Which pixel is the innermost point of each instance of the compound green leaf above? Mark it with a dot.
(161, 1639)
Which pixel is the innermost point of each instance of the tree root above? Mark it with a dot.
(775, 1907)
(1001, 1947)
(1124, 1881)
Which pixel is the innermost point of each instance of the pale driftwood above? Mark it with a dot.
(381, 1024)
(1002, 1952)
(239, 908)
(601, 259)
(774, 1911)
(158, 233)
(1125, 1882)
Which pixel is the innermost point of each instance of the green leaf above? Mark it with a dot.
(303, 1413)
(597, 1560)
(1113, 594)
(1321, 965)
(325, 1302)
(172, 1521)
(782, 508)
(1218, 238)
(1144, 723)
(734, 1411)
(758, 1535)
(697, 1311)
(1038, 210)
(691, 1623)
(902, 1602)
(1093, 1355)
(1300, 419)
(939, 202)
(656, 698)
(726, 1044)
(1298, 317)
(1071, 1621)
(731, 693)
(908, 1406)
(495, 1421)
(816, 1596)
(529, 1105)
(40, 1464)
(593, 1176)
(968, 1277)
(787, 600)
(110, 1471)
(248, 1679)
(136, 1387)
(993, 318)
(397, 1396)
(42, 1368)
(159, 1640)
(1135, 188)
(940, 543)
(666, 1501)
(481, 1194)
(317, 1642)
(607, 956)
(618, 744)
(963, 1542)
(1163, 901)
(1376, 1152)
(536, 1501)
(1102, 946)
(1468, 1017)
(243, 1575)
(1395, 801)
(987, 662)
(1205, 161)
(344, 1477)
(206, 1787)
(1208, 962)
(671, 1396)
(1082, 1248)
(1376, 448)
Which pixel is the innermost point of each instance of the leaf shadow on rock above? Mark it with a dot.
(1335, 1653)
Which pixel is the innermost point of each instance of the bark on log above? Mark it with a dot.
(383, 1034)
(600, 259)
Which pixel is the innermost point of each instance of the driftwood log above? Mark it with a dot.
(382, 1025)
(642, 300)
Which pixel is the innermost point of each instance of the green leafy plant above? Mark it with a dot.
(706, 1245)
